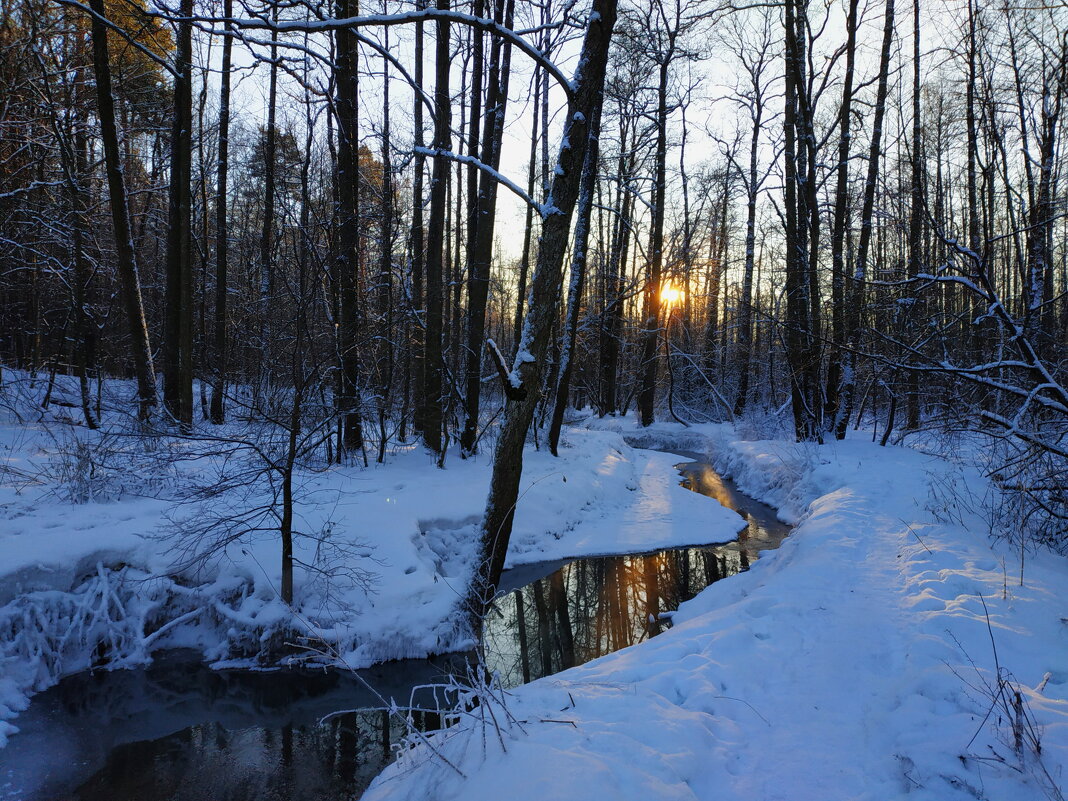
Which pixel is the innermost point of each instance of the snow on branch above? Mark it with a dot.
(513, 387)
(542, 209)
(324, 24)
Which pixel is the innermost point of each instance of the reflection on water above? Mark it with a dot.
(592, 607)
(180, 731)
(210, 761)
(765, 530)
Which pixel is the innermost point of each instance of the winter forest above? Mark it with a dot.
(548, 399)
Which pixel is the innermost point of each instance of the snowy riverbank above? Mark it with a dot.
(855, 662)
(92, 583)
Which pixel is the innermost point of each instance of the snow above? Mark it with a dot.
(524, 356)
(885, 649)
(98, 577)
(857, 661)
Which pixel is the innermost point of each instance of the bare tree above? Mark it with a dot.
(524, 382)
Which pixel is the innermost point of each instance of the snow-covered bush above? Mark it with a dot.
(472, 707)
(761, 423)
(86, 466)
(1023, 501)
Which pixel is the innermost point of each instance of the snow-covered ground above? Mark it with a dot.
(93, 582)
(878, 654)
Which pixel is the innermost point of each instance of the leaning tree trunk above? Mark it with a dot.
(484, 219)
(855, 289)
(120, 216)
(526, 377)
(578, 279)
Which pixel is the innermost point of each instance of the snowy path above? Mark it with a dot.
(837, 668)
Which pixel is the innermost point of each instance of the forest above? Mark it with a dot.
(260, 259)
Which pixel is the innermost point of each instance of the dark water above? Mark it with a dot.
(179, 731)
(591, 607)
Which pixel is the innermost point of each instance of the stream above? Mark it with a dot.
(179, 730)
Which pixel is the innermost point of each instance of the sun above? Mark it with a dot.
(670, 295)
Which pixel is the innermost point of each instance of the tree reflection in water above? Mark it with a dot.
(179, 730)
(592, 607)
(331, 761)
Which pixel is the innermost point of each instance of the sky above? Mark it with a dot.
(713, 79)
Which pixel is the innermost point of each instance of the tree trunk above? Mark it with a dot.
(435, 246)
(802, 231)
(524, 260)
(384, 290)
(269, 142)
(578, 280)
(910, 310)
(120, 218)
(417, 241)
(612, 328)
(222, 231)
(484, 222)
(527, 373)
(178, 330)
(855, 290)
(348, 223)
(79, 202)
(651, 304)
(745, 319)
(838, 226)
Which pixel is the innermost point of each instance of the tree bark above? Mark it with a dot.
(651, 303)
(417, 240)
(496, 529)
(484, 223)
(348, 223)
(524, 260)
(222, 230)
(579, 261)
(435, 250)
(612, 328)
(838, 226)
(855, 288)
(178, 330)
(120, 218)
(909, 310)
(269, 141)
(384, 289)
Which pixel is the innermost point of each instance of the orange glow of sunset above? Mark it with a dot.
(670, 295)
